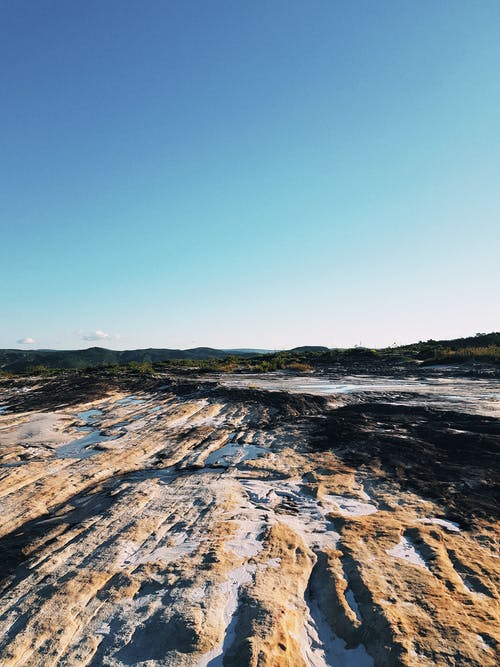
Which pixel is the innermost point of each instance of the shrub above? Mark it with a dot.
(143, 367)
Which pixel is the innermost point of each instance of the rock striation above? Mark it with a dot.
(188, 523)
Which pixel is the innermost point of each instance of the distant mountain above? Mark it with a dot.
(248, 350)
(481, 345)
(314, 349)
(20, 360)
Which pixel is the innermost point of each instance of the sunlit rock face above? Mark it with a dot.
(249, 521)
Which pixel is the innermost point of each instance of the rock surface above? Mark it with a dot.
(167, 522)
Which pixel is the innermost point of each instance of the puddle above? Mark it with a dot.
(89, 416)
(478, 396)
(130, 400)
(82, 448)
(234, 453)
(118, 425)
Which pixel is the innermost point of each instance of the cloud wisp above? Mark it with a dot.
(96, 335)
(25, 341)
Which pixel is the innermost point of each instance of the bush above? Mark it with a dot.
(299, 366)
(143, 367)
(39, 370)
(489, 353)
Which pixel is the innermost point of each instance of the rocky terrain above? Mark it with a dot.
(247, 520)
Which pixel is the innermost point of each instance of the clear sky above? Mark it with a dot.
(248, 174)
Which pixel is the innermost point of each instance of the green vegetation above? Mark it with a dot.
(263, 363)
(281, 361)
(39, 370)
(18, 361)
(482, 347)
(489, 353)
(145, 367)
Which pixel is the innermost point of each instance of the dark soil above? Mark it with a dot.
(449, 456)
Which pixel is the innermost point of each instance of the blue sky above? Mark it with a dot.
(248, 174)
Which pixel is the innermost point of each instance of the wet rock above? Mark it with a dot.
(297, 549)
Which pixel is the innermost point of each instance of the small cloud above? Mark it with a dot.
(96, 335)
(25, 341)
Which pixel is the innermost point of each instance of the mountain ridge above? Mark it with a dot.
(16, 360)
